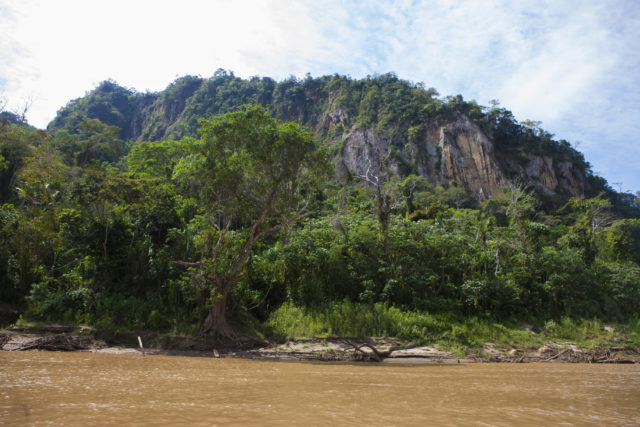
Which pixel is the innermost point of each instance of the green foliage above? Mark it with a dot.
(397, 109)
(251, 162)
(64, 298)
(109, 103)
(621, 242)
(41, 178)
(17, 143)
(158, 159)
(450, 333)
(355, 320)
(592, 333)
(94, 228)
(252, 176)
(621, 287)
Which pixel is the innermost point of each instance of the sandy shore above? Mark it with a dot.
(388, 350)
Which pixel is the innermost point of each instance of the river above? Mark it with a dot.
(45, 388)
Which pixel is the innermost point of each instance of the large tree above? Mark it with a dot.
(254, 176)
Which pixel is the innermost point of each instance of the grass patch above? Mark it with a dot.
(451, 333)
(354, 320)
(593, 333)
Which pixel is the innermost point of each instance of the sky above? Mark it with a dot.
(573, 65)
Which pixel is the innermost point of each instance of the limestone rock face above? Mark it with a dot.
(467, 157)
(362, 152)
(541, 173)
(571, 178)
(457, 151)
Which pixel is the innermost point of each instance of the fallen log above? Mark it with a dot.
(376, 354)
(357, 348)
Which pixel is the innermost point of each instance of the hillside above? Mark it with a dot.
(363, 121)
(318, 206)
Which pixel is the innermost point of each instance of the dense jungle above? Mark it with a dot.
(308, 207)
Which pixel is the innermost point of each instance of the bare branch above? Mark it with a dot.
(256, 305)
(285, 223)
(23, 112)
(191, 264)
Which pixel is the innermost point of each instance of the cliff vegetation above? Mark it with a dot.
(275, 204)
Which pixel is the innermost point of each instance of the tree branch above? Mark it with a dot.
(191, 264)
(221, 234)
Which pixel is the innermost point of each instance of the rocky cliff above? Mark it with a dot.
(380, 125)
(456, 151)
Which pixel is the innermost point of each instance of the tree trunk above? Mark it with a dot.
(216, 322)
(384, 209)
(484, 251)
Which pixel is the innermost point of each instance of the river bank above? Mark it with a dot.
(374, 349)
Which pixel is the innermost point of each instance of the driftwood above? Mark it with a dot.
(631, 349)
(375, 355)
(570, 355)
(607, 355)
(62, 342)
(610, 355)
(557, 355)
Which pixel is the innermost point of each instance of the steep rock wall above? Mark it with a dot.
(467, 156)
(457, 151)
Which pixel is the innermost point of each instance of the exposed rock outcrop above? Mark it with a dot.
(468, 158)
(541, 173)
(391, 121)
(457, 151)
(571, 178)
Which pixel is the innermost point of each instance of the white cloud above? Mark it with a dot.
(69, 46)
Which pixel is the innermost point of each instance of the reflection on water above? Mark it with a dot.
(91, 389)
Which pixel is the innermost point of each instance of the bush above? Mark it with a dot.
(63, 298)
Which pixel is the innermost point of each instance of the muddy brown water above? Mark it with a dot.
(45, 388)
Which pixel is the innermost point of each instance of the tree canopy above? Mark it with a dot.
(252, 176)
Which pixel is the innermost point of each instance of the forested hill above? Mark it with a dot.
(154, 211)
(409, 127)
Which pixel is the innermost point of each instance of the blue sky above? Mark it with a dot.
(574, 65)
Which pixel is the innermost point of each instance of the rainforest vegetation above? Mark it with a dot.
(217, 200)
